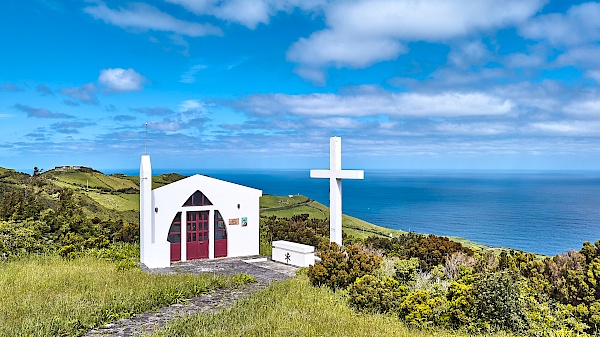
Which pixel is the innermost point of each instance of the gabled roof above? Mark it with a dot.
(198, 181)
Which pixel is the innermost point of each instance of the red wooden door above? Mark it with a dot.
(220, 236)
(175, 238)
(197, 235)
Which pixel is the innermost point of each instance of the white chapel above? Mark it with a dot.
(196, 218)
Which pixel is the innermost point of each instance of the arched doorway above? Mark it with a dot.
(197, 231)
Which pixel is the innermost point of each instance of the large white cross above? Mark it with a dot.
(335, 175)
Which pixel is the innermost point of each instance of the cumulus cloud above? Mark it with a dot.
(143, 17)
(363, 32)
(392, 104)
(578, 25)
(40, 112)
(85, 94)
(121, 80)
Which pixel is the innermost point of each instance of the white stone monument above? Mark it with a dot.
(335, 175)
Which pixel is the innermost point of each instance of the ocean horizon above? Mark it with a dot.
(544, 212)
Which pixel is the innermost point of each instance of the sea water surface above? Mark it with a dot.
(541, 212)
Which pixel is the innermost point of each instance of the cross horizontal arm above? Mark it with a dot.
(338, 174)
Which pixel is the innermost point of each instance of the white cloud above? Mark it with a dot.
(164, 126)
(145, 17)
(594, 74)
(521, 60)
(474, 129)
(585, 56)
(244, 12)
(467, 54)
(191, 105)
(190, 75)
(360, 33)
(330, 47)
(578, 25)
(85, 93)
(392, 104)
(567, 128)
(584, 108)
(121, 80)
(335, 123)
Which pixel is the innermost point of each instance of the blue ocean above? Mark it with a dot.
(541, 212)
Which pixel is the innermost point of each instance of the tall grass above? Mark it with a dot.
(50, 296)
(294, 308)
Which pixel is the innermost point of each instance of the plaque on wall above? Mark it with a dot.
(235, 221)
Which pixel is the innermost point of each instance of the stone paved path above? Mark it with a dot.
(265, 273)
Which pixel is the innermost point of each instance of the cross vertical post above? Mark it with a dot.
(335, 174)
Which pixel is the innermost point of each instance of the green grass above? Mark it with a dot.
(121, 202)
(274, 201)
(294, 308)
(93, 180)
(272, 205)
(50, 296)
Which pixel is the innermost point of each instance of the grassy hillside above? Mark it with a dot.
(118, 195)
(295, 308)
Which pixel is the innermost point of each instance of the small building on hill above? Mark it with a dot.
(196, 218)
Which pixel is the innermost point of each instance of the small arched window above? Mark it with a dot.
(197, 199)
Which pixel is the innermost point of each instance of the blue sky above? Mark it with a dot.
(431, 84)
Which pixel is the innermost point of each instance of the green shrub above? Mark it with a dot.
(406, 271)
(372, 294)
(339, 267)
(497, 301)
(424, 308)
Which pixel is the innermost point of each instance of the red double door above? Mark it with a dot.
(197, 236)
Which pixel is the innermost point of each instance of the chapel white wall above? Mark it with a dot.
(225, 196)
(153, 253)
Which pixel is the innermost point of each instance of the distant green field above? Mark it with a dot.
(273, 205)
(93, 180)
(273, 201)
(121, 202)
(270, 205)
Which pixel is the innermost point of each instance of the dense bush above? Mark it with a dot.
(300, 229)
(431, 250)
(373, 294)
(497, 301)
(341, 266)
(41, 218)
(475, 293)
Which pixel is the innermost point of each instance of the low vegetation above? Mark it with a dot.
(295, 308)
(46, 295)
(428, 281)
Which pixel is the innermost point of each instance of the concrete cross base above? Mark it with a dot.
(295, 254)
